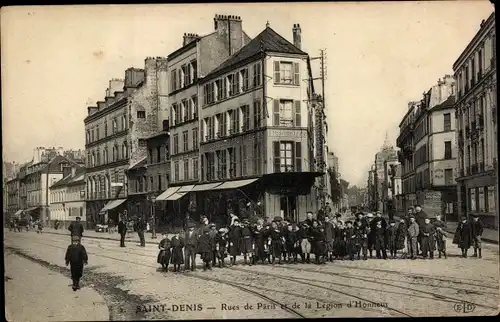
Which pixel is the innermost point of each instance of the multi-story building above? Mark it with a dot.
(115, 136)
(67, 198)
(386, 153)
(396, 187)
(406, 143)
(371, 203)
(318, 145)
(333, 163)
(476, 112)
(11, 197)
(197, 57)
(254, 119)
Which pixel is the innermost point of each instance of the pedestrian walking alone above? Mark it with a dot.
(76, 228)
(122, 230)
(139, 228)
(76, 257)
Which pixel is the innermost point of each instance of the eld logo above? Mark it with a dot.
(464, 307)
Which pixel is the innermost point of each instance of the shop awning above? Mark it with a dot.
(18, 213)
(235, 184)
(31, 209)
(206, 187)
(167, 193)
(186, 188)
(112, 204)
(176, 196)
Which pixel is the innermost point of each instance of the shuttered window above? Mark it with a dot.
(276, 112)
(276, 154)
(277, 76)
(298, 121)
(173, 80)
(296, 74)
(298, 157)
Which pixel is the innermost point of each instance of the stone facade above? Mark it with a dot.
(476, 110)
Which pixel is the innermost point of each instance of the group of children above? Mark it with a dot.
(280, 241)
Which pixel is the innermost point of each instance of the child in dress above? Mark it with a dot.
(177, 258)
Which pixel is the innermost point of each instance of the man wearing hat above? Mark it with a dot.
(413, 232)
(477, 232)
(76, 257)
(371, 233)
(76, 228)
(420, 216)
(205, 247)
(213, 235)
(247, 243)
(190, 245)
(221, 246)
(122, 230)
(234, 240)
(463, 236)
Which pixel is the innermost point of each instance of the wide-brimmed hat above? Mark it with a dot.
(369, 215)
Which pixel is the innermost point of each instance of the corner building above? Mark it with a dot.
(476, 117)
(254, 140)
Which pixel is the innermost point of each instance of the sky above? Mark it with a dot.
(58, 60)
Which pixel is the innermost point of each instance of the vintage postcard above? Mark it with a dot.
(235, 161)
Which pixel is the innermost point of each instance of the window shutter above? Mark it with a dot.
(277, 75)
(179, 77)
(276, 153)
(254, 73)
(298, 157)
(296, 74)
(202, 167)
(276, 112)
(297, 114)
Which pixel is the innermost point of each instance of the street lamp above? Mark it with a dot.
(153, 212)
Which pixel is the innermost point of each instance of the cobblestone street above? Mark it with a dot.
(129, 282)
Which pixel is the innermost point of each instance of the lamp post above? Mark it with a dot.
(153, 213)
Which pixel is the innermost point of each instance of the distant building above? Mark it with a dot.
(67, 198)
(396, 187)
(476, 110)
(386, 153)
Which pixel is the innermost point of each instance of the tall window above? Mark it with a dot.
(194, 70)
(447, 150)
(97, 133)
(483, 153)
(232, 162)
(124, 122)
(210, 166)
(176, 144)
(208, 93)
(159, 183)
(195, 138)
(480, 64)
(185, 109)
(176, 171)
(257, 163)
(185, 141)
(222, 166)
(244, 79)
(194, 98)
(286, 73)
(257, 74)
(150, 155)
(473, 71)
(195, 168)
(243, 159)
(173, 80)
(186, 169)
(158, 154)
(283, 113)
(235, 121)
(287, 156)
(245, 112)
(257, 114)
(221, 126)
(447, 122)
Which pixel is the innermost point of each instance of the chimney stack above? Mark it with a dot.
(230, 27)
(189, 38)
(297, 36)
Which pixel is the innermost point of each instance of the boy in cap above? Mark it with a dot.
(427, 239)
(361, 232)
(413, 232)
(190, 246)
(329, 237)
(401, 233)
(165, 253)
(290, 239)
(318, 234)
(391, 238)
(380, 238)
(76, 257)
(221, 246)
(350, 240)
(276, 243)
(205, 248)
(213, 235)
(259, 244)
(305, 243)
(440, 239)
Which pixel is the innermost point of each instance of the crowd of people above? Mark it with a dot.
(326, 237)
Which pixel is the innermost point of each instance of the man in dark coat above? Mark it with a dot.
(165, 252)
(205, 245)
(76, 228)
(76, 257)
(213, 235)
(247, 242)
(350, 239)
(420, 216)
(140, 226)
(477, 232)
(329, 237)
(190, 248)
(318, 234)
(380, 239)
(234, 240)
(463, 236)
(428, 242)
(122, 230)
(361, 233)
(391, 238)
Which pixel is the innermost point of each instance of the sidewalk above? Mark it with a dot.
(489, 235)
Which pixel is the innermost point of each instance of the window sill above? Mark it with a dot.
(231, 97)
(285, 85)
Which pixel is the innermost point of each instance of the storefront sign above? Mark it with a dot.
(288, 133)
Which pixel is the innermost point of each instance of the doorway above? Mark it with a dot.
(288, 207)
